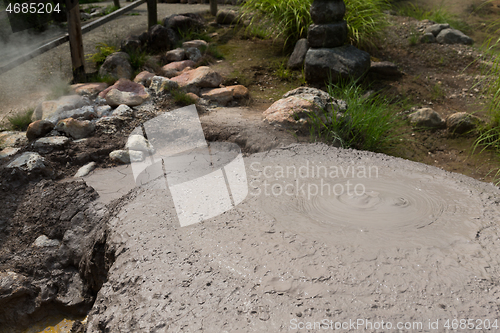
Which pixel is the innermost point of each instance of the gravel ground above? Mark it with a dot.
(24, 86)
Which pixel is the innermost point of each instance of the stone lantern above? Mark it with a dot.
(327, 56)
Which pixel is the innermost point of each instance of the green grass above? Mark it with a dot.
(21, 120)
(283, 72)
(109, 9)
(180, 97)
(365, 18)
(414, 37)
(103, 50)
(137, 59)
(368, 124)
(438, 14)
(437, 92)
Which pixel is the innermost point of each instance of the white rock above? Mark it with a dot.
(138, 142)
(123, 111)
(44, 241)
(126, 156)
(85, 170)
(7, 152)
(28, 161)
(51, 141)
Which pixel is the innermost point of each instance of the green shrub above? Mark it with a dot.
(137, 59)
(180, 97)
(292, 18)
(103, 50)
(369, 123)
(21, 120)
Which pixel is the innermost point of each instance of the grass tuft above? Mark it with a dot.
(181, 97)
(21, 120)
(367, 124)
(365, 19)
(103, 50)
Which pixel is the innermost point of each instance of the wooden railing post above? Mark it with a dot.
(75, 40)
(213, 7)
(152, 13)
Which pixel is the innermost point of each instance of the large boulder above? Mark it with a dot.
(201, 77)
(297, 107)
(11, 139)
(125, 92)
(65, 103)
(89, 89)
(426, 118)
(175, 55)
(45, 145)
(197, 43)
(117, 66)
(144, 78)
(227, 16)
(299, 54)
(86, 112)
(461, 122)
(435, 29)
(131, 44)
(77, 129)
(341, 62)
(385, 70)
(160, 39)
(160, 84)
(453, 36)
(28, 162)
(183, 22)
(38, 129)
(327, 35)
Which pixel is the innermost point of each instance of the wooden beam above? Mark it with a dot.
(75, 40)
(213, 7)
(152, 14)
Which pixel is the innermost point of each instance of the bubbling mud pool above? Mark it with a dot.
(392, 209)
(417, 245)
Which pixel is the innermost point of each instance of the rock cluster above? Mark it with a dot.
(456, 123)
(444, 34)
(328, 57)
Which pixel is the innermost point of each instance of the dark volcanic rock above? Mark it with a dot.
(299, 54)
(327, 35)
(160, 39)
(327, 11)
(341, 62)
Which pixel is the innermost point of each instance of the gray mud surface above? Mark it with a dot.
(417, 244)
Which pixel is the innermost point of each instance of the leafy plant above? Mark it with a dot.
(21, 120)
(292, 18)
(103, 50)
(369, 123)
